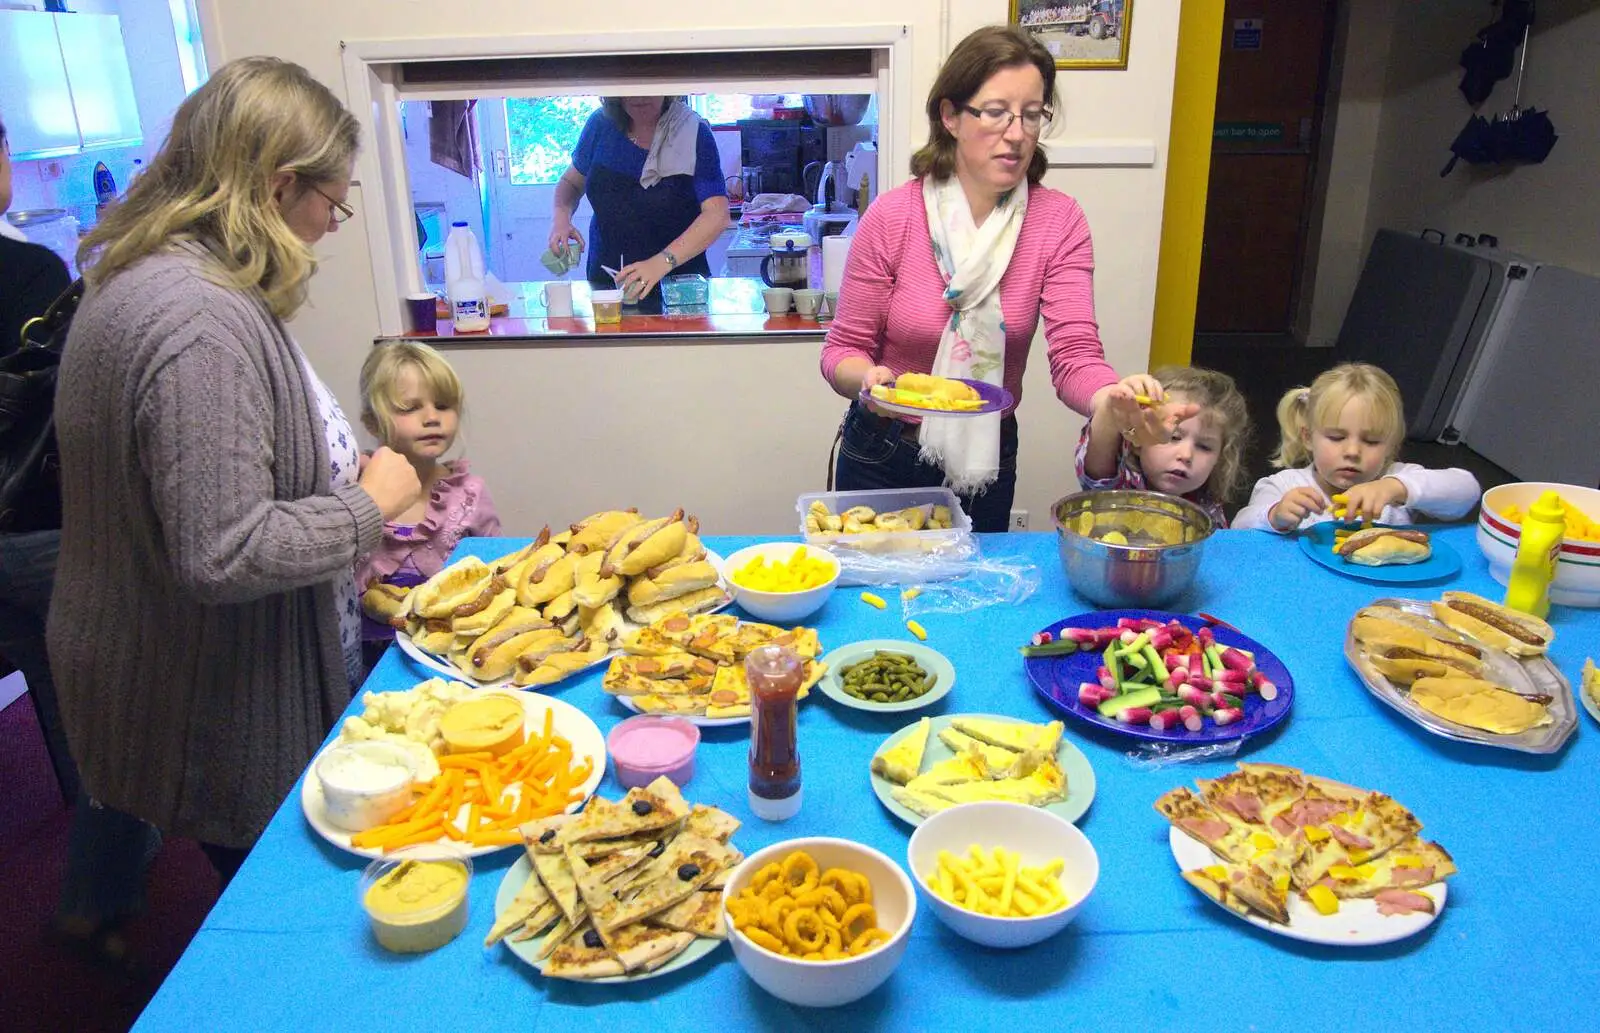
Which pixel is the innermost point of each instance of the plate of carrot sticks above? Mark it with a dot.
(477, 802)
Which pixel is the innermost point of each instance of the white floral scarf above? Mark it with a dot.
(972, 259)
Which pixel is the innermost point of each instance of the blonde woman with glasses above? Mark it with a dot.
(951, 273)
(204, 631)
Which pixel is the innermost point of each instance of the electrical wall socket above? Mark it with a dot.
(49, 170)
(1019, 520)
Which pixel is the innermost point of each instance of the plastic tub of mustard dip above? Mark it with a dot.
(417, 902)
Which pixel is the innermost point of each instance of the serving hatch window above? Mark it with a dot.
(494, 162)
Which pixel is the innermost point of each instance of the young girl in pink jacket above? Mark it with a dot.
(411, 401)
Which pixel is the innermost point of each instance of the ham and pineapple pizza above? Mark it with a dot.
(1276, 831)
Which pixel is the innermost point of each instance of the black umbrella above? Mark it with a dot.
(1489, 59)
(1520, 135)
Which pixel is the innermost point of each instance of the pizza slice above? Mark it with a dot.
(556, 874)
(584, 955)
(556, 937)
(1368, 829)
(1409, 866)
(700, 913)
(1256, 793)
(648, 642)
(804, 641)
(1226, 835)
(711, 822)
(1244, 888)
(688, 863)
(900, 762)
(672, 666)
(656, 806)
(541, 835)
(688, 703)
(529, 900)
(536, 923)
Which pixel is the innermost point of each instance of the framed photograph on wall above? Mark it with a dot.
(1080, 33)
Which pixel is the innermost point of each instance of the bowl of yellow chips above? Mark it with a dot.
(1003, 874)
(781, 582)
(819, 922)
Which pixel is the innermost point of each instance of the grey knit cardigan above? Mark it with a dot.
(193, 632)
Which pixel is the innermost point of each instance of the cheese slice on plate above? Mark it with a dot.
(900, 762)
(997, 757)
(1046, 785)
(963, 767)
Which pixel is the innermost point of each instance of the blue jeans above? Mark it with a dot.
(875, 453)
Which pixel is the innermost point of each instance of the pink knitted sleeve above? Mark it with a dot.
(1078, 366)
(867, 288)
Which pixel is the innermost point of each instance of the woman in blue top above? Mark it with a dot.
(651, 171)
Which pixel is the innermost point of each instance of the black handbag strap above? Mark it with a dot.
(49, 330)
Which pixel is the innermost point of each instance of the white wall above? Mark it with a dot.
(1400, 111)
(735, 432)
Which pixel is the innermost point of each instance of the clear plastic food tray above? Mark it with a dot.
(883, 557)
(1535, 674)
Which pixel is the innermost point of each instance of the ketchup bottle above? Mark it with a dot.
(775, 675)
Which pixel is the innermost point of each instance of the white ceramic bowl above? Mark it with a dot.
(1577, 580)
(1038, 836)
(779, 607)
(824, 984)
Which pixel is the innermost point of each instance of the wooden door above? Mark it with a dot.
(1270, 88)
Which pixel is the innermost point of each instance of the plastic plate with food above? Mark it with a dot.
(932, 743)
(1534, 679)
(567, 722)
(1317, 542)
(915, 394)
(886, 675)
(1245, 692)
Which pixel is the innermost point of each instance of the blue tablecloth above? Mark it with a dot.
(288, 945)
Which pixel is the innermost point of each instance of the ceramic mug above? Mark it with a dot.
(807, 302)
(557, 296)
(778, 300)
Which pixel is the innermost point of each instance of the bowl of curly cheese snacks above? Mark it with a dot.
(819, 922)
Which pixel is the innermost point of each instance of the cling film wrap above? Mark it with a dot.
(984, 581)
(1153, 756)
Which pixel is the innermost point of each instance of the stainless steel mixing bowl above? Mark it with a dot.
(1153, 553)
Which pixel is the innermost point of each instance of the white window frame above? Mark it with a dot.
(373, 81)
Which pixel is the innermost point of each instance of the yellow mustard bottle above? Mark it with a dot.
(1534, 567)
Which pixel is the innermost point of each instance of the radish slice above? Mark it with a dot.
(1165, 721)
(1191, 718)
(1261, 684)
(1227, 715)
(1135, 716)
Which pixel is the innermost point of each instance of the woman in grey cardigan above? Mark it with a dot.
(212, 512)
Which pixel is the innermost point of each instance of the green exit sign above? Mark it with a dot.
(1247, 131)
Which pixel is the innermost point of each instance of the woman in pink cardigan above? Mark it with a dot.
(950, 273)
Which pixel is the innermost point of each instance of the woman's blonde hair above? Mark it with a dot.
(212, 180)
(380, 383)
(972, 63)
(1223, 407)
(1304, 408)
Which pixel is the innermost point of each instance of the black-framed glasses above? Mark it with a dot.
(342, 212)
(997, 119)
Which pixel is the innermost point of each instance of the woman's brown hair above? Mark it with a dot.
(974, 60)
(619, 116)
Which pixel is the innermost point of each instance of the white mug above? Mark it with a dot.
(558, 298)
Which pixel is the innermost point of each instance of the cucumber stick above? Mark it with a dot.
(1137, 698)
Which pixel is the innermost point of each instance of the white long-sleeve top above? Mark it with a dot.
(1440, 494)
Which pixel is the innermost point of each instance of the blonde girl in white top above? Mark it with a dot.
(1341, 436)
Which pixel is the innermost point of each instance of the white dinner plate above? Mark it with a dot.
(570, 723)
(443, 666)
(1356, 923)
(517, 876)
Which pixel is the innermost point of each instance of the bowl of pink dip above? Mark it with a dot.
(646, 747)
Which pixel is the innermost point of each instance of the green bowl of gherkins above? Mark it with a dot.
(887, 675)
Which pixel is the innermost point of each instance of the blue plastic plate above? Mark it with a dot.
(1317, 542)
(1057, 678)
